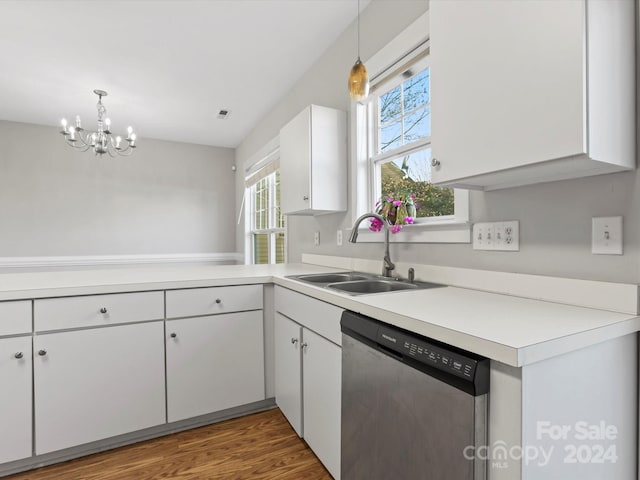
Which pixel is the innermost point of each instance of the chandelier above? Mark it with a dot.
(101, 141)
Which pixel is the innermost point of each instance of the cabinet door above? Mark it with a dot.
(507, 83)
(295, 164)
(322, 386)
(288, 335)
(213, 363)
(15, 401)
(97, 383)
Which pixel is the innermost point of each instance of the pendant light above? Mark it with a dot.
(358, 77)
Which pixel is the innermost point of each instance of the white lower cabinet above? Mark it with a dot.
(15, 401)
(214, 363)
(288, 376)
(97, 383)
(321, 393)
(308, 388)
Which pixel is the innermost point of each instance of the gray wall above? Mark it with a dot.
(167, 198)
(555, 218)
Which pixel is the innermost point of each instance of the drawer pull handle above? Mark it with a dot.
(294, 340)
(42, 353)
(304, 345)
(305, 198)
(18, 355)
(103, 310)
(218, 301)
(174, 335)
(435, 162)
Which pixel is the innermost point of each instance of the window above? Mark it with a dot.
(400, 143)
(391, 138)
(266, 222)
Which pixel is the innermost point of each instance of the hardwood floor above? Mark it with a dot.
(259, 446)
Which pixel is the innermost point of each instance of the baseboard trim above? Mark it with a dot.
(135, 437)
(110, 260)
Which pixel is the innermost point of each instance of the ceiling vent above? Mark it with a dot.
(223, 114)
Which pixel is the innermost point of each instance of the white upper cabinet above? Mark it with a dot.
(531, 91)
(313, 162)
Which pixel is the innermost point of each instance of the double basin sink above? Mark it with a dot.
(356, 283)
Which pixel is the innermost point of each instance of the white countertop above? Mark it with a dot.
(513, 330)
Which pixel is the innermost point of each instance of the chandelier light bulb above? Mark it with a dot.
(118, 140)
(78, 124)
(107, 122)
(64, 123)
(129, 130)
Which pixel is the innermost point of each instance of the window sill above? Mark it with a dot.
(432, 232)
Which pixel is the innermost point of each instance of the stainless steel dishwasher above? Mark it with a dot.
(412, 408)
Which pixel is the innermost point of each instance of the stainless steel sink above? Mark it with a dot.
(330, 277)
(357, 283)
(363, 287)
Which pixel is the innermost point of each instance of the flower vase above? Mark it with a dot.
(411, 209)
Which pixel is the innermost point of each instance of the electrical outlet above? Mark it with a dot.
(339, 238)
(500, 236)
(316, 239)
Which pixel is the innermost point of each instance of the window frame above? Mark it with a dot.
(273, 212)
(456, 228)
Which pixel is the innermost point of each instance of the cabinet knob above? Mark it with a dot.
(304, 345)
(218, 301)
(305, 198)
(174, 335)
(435, 162)
(18, 355)
(103, 310)
(294, 340)
(42, 353)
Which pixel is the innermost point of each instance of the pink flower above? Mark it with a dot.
(375, 225)
(412, 196)
(409, 220)
(396, 228)
(389, 198)
(397, 203)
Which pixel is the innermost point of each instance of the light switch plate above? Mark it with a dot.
(606, 235)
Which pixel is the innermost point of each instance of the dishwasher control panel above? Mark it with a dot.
(428, 353)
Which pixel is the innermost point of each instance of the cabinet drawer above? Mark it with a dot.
(96, 310)
(208, 301)
(15, 317)
(321, 317)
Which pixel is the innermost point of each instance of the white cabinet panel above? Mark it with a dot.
(288, 335)
(513, 100)
(97, 310)
(15, 317)
(321, 317)
(97, 383)
(214, 363)
(313, 162)
(322, 387)
(16, 399)
(209, 301)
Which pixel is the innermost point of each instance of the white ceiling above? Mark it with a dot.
(168, 66)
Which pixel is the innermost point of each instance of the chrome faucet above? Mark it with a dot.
(387, 266)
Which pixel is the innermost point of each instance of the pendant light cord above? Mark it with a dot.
(358, 29)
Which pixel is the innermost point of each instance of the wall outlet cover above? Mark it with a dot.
(606, 236)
